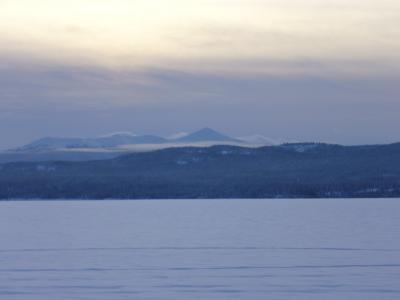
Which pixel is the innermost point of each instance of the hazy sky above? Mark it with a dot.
(309, 70)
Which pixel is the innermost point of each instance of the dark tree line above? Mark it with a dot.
(288, 171)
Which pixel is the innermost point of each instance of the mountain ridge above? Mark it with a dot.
(122, 139)
(206, 134)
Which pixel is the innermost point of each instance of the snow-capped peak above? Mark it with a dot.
(177, 135)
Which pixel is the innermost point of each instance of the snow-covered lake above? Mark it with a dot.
(200, 249)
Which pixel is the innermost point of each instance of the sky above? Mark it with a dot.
(305, 70)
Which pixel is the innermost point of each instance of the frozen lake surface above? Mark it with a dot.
(200, 249)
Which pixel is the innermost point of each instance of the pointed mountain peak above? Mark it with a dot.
(206, 134)
(207, 130)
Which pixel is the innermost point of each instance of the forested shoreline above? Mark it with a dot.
(306, 170)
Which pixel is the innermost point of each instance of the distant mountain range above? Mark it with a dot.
(285, 171)
(111, 141)
(113, 145)
(118, 140)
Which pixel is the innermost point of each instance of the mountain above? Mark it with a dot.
(117, 140)
(287, 171)
(113, 140)
(56, 143)
(206, 135)
(110, 141)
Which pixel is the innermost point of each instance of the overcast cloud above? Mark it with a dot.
(299, 70)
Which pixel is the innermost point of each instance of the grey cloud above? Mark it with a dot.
(70, 101)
